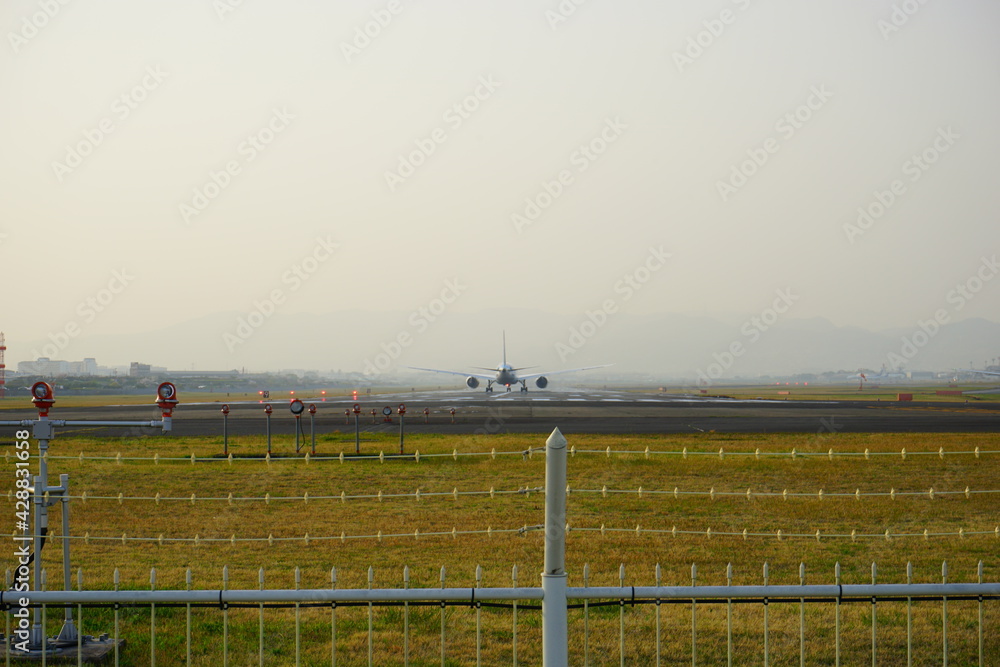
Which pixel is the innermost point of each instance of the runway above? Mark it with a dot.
(573, 411)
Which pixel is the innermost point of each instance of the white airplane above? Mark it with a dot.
(882, 375)
(506, 375)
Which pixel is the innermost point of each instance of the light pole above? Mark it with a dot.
(267, 412)
(297, 408)
(225, 430)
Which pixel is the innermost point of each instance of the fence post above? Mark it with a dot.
(555, 634)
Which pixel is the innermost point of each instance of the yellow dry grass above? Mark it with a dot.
(289, 513)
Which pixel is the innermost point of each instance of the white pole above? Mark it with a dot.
(555, 636)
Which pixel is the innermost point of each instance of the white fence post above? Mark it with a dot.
(555, 634)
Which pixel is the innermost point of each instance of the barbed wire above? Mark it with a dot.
(526, 454)
(749, 494)
(745, 534)
(604, 492)
(454, 533)
(757, 454)
(267, 498)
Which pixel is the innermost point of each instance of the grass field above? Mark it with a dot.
(269, 500)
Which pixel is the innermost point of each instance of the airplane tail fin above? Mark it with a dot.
(505, 348)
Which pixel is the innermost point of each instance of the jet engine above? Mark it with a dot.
(542, 382)
(472, 382)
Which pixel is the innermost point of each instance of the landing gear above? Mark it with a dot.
(524, 387)
(489, 388)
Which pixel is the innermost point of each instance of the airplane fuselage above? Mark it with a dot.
(506, 375)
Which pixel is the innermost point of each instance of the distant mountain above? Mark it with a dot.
(669, 346)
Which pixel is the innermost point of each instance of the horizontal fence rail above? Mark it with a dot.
(153, 637)
(471, 595)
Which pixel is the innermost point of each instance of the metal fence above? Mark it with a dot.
(622, 625)
(552, 624)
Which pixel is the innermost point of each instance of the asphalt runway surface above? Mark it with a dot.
(537, 411)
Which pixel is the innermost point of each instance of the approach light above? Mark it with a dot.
(166, 395)
(41, 396)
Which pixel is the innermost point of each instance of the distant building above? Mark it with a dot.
(43, 366)
(86, 367)
(137, 370)
(176, 375)
(57, 367)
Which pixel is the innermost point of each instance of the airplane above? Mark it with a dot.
(882, 375)
(505, 374)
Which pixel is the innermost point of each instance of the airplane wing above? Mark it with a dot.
(465, 374)
(986, 372)
(494, 370)
(568, 370)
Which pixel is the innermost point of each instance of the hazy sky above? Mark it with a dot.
(166, 161)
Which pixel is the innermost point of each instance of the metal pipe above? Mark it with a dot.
(694, 617)
(836, 622)
(402, 417)
(75, 422)
(555, 632)
(187, 619)
(729, 618)
(68, 631)
(152, 622)
(944, 616)
(237, 596)
(813, 591)
(909, 618)
(357, 435)
(621, 619)
(37, 636)
(874, 620)
(268, 423)
(767, 654)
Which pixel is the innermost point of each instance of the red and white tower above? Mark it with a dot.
(3, 368)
